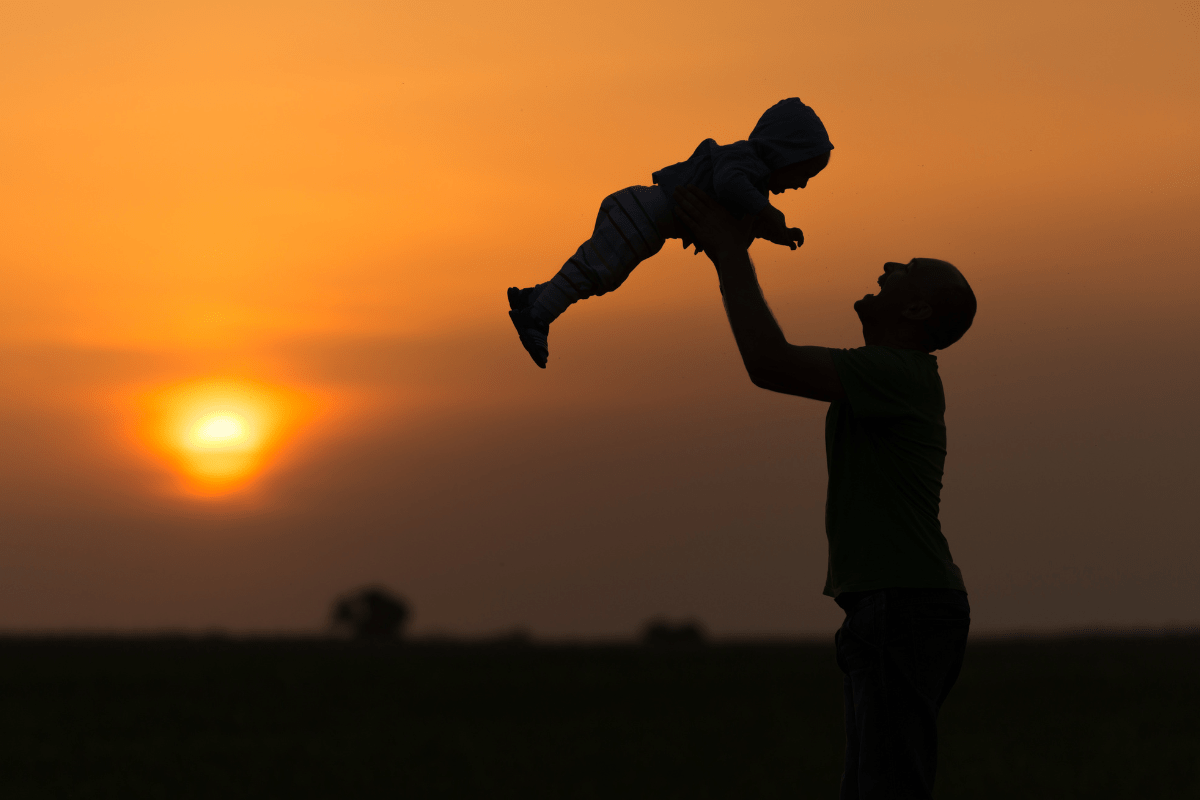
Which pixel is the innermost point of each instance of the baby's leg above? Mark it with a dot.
(629, 229)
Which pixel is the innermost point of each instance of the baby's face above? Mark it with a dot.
(797, 175)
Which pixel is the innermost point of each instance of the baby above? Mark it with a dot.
(785, 150)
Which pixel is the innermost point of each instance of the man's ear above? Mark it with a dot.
(917, 310)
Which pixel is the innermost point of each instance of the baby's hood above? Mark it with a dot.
(788, 132)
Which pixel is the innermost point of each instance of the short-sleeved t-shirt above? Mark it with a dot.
(885, 445)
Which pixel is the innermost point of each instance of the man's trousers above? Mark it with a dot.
(900, 651)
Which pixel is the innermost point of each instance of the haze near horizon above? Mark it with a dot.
(254, 350)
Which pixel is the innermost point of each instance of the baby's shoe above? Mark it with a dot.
(533, 332)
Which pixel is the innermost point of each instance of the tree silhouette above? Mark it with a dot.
(371, 613)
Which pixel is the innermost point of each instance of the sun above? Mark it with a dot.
(221, 434)
(219, 430)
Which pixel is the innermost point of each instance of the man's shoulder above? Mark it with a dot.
(883, 381)
(885, 360)
(884, 352)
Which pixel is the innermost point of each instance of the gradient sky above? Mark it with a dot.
(309, 211)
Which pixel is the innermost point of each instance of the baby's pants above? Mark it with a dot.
(628, 231)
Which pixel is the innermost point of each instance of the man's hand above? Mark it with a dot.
(715, 229)
(772, 226)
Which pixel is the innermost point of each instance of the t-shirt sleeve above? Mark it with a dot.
(736, 173)
(878, 381)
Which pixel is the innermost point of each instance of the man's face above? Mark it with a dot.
(899, 285)
(903, 284)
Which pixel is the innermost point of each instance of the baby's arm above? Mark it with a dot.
(770, 224)
(739, 178)
(736, 171)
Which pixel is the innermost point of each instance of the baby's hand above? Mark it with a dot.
(772, 226)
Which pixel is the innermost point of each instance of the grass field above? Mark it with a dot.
(1086, 718)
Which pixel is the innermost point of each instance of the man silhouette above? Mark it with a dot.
(902, 643)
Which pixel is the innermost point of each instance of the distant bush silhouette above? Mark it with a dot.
(371, 613)
(660, 633)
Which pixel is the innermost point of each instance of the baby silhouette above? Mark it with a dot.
(785, 150)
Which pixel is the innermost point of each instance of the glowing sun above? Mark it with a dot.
(224, 429)
(219, 434)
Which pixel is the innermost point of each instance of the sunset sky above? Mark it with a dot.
(254, 349)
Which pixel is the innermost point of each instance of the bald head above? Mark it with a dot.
(936, 274)
(951, 301)
(925, 304)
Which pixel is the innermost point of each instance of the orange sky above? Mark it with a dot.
(322, 203)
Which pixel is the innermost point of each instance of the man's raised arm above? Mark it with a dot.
(771, 362)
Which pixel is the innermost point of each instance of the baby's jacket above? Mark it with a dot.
(736, 174)
(732, 173)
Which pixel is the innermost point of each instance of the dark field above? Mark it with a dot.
(258, 719)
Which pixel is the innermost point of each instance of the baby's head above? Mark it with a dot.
(792, 141)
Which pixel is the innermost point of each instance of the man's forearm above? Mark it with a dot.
(770, 361)
(759, 337)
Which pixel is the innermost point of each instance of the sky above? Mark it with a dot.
(254, 350)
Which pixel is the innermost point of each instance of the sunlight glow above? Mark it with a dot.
(224, 429)
(220, 434)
